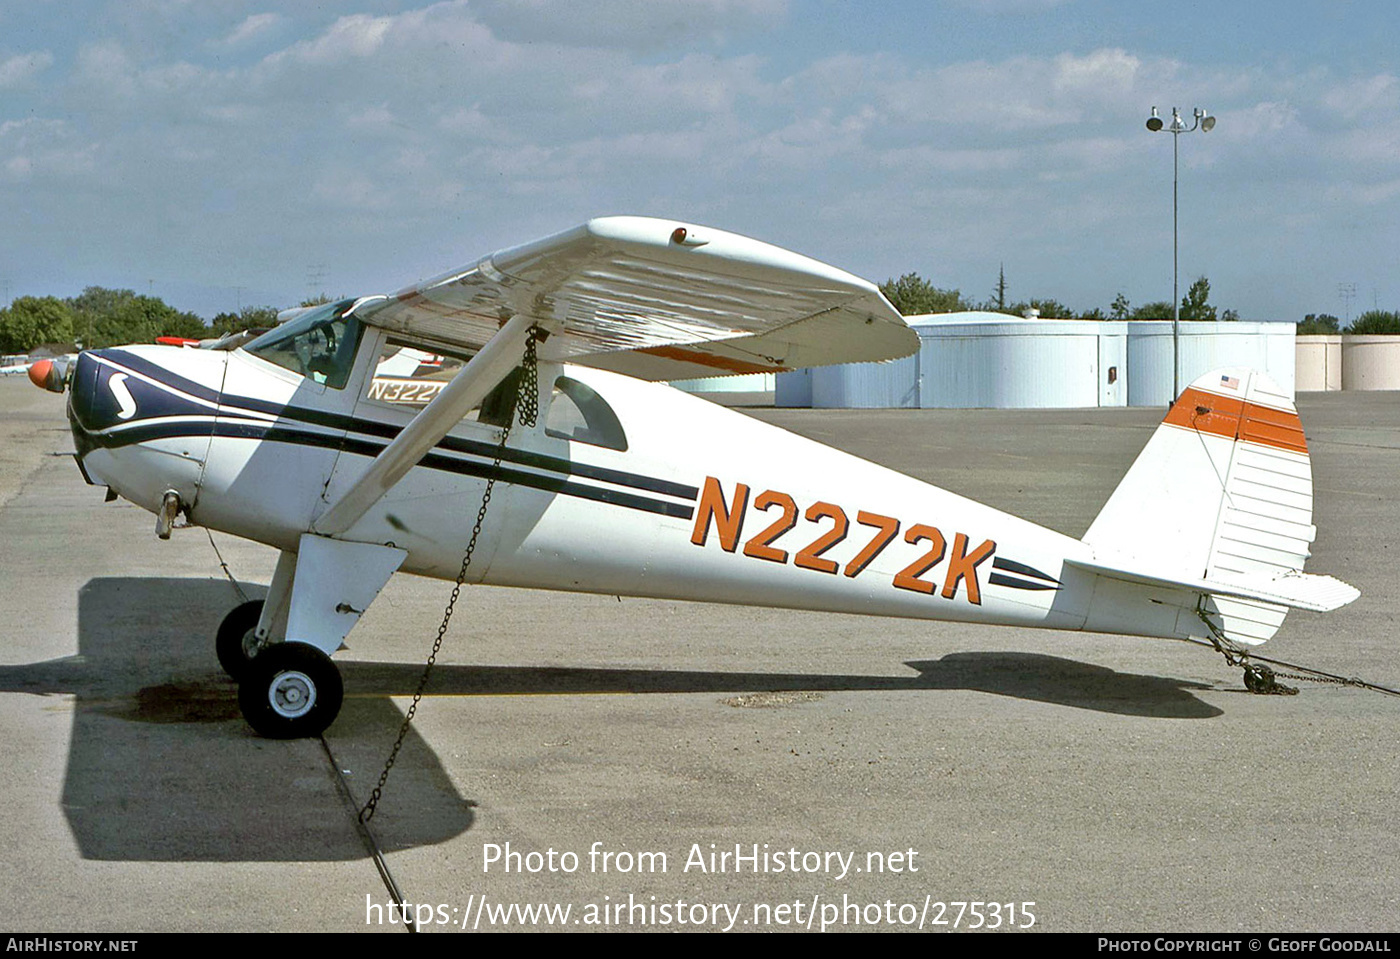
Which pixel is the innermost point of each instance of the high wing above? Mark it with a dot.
(657, 299)
(651, 298)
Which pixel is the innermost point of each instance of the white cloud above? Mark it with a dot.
(1102, 72)
(392, 137)
(43, 149)
(357, 36)
(21, 68)
(628, 24)
(106, 69)
(343, 187)
(471, 123)
(1353, 99)
(997, 7)
(256, 25)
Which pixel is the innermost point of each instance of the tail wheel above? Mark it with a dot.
(236, 642)
(290, 691)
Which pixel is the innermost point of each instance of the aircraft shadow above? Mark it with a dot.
(1031, 676)
(161, 766)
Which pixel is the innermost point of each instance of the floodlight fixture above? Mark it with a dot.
(1203, 121)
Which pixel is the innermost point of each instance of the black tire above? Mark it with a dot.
(235, 644)
(291, 691)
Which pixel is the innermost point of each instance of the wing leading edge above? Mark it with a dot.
(658, 299)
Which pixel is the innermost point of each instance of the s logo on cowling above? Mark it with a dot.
(117, 384)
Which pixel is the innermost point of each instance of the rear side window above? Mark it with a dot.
(409, 375)
(578, 413)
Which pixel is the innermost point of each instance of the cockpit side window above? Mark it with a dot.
(319, 345)
(578, 413)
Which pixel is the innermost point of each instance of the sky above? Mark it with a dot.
(220, 153)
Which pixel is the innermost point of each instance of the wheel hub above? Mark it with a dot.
(251, 644)
(292, 694)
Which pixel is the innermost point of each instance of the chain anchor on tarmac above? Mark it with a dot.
(526, 410)
(1263, 681)
(1258, 678)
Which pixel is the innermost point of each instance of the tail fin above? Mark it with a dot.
(1219, 505)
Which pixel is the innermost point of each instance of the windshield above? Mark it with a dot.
(319, 345)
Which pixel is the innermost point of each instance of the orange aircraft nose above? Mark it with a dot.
(39, 373)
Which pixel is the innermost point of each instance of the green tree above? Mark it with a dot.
(184, 324)
(92, 307)
(137, 319)
(1319, 323)
(31, 320)
(1120, 310)
(911, 295)
(106, 317)
(248, 318)
(321, 299)
(998, 301)
(1049, 309)
(1375, 321)
(1195, 305)
(1157, 310)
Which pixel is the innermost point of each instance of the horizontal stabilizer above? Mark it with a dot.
(1299, 590)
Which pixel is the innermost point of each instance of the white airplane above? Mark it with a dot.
(624, 486)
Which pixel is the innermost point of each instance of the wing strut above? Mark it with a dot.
(466, 390)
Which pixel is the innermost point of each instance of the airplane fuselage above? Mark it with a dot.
(701, 503)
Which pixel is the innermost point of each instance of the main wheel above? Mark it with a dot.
(236, 642)
(291, 691)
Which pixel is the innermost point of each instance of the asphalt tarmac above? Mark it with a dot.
(867, 770)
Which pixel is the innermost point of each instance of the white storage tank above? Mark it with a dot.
(997, 361)
(979, 359)
(741, 383)
(1267, 347)
(1370, 362)
(1319, 362)
(893, 384)
(992, 360)
(793, 390)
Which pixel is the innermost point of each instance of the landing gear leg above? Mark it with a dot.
(290, 688)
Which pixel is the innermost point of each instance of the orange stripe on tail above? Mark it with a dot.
(1237, 419)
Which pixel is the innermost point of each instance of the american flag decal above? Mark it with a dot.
(1230, 382)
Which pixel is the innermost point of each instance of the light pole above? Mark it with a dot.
(1205, 123)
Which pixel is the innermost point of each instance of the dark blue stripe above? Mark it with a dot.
(232, 404)
(1012, 566)
(997, 579)
(436, 461)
